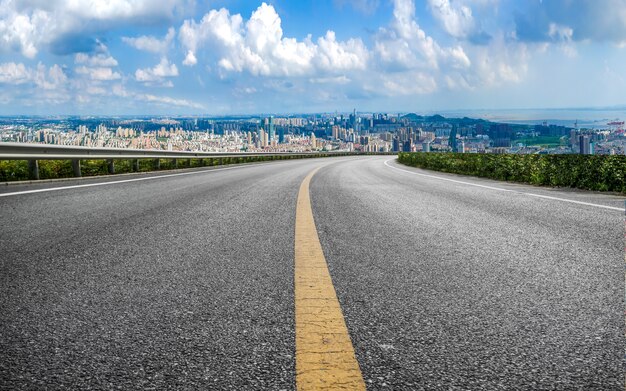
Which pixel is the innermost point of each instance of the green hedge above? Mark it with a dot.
(16, 170)
(591, 172)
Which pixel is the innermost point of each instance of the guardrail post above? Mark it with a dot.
(157, 164)
(33, 169)
(76, 167)
(175, 161)
(136, 165)
(189, 163)
(111, 166)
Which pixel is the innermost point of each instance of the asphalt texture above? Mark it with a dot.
(186, 282)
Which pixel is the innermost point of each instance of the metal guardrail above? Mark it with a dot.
(34, 152)
(19, 151)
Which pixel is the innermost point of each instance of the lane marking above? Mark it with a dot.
(123, 181)
(325, 356)
(505, 190)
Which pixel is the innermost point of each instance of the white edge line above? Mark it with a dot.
(501, 189)
(122, 181)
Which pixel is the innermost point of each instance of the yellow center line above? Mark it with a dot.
(324, 354)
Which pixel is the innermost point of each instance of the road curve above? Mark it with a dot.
(187, 281)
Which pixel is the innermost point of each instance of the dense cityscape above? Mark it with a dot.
(367, 132)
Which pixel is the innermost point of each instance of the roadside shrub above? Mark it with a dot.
(590, 172)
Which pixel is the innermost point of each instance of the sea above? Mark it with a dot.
(589, 118)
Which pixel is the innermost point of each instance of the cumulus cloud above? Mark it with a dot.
(158, 73)
(12, 73)
(151, 44)
(47, 78)
(255, 55)
(456, 18)
(405, 46)
(259, 47)
(190, 58)
(98, 73)
(67, 26)
(51, 79)
(501, 62)
(98, 60)
(98, 66)
(403, 58)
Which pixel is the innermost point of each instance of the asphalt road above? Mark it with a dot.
(187, 281)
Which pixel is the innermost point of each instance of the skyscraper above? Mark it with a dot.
(452, 140)
(585, 145)
(281, 135)
(272, 131)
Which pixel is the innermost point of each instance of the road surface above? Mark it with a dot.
(187, 281)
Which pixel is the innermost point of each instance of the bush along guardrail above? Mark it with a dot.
(590, 172)
(16, 170)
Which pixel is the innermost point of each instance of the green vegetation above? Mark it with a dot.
(591, 172)
(16, 170)
(544, 141)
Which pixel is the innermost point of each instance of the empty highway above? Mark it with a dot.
(239, 277)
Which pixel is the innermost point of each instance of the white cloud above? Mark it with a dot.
(455, 18)
(12, 73)
(403, 59)
(97, 60)
(336, 56)
(190, 59)
(46, 78)
(158, 73)
(259, 47)
(330, 80)
(152, 44)
(98, 73)
(52, 79)
(500, 62)
(168, 101)
(563, 36)
(404, 45)
(63, 25)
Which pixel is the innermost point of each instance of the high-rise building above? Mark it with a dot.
(501, 134)
(585, 144)
(272, 131)
(396, 145)
(452, 142)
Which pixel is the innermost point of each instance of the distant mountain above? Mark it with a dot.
(413, 117)
(439, 118)
(436, 118)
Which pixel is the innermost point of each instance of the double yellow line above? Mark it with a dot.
(325, 357)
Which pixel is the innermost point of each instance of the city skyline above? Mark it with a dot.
(249, 57)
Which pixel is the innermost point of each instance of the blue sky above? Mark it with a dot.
(236, 57)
